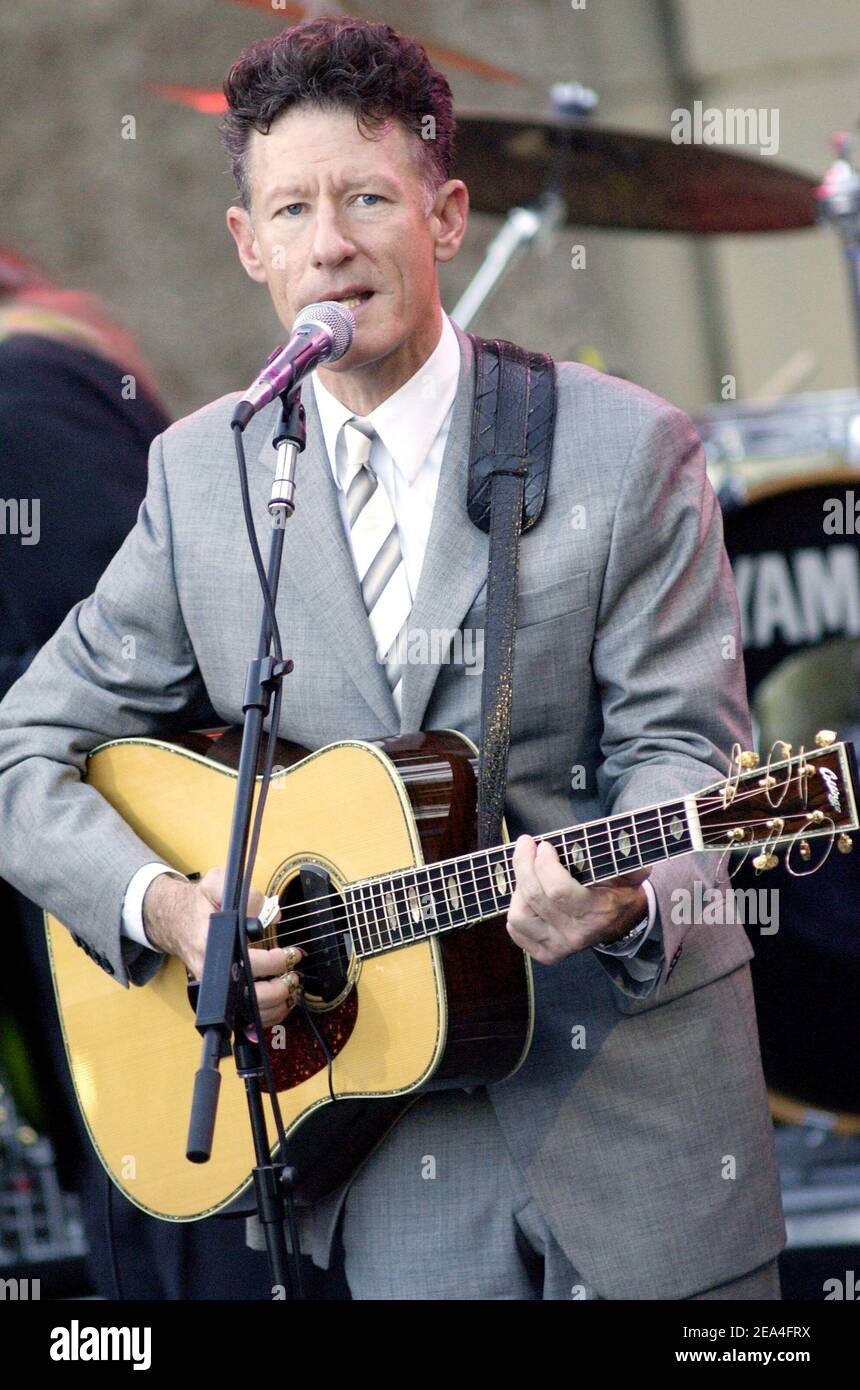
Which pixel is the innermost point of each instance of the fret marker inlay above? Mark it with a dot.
(414, 905)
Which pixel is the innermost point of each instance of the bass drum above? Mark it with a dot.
(795, 552)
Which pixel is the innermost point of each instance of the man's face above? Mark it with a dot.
(332, 212)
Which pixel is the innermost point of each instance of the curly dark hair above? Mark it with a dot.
(368, 69)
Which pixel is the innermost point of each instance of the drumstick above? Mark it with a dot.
(790, 377)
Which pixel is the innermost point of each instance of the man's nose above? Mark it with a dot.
(331, 245)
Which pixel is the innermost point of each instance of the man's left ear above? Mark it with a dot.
(451, 210)
(242, 231)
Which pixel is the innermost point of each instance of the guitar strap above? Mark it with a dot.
(511, 447)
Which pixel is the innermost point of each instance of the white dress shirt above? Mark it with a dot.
(412, 427)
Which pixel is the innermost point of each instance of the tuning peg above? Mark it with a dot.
(749, 760)
(845, 844)
(762, 862)
(825, 737)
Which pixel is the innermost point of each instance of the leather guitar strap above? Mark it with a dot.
(511, 447)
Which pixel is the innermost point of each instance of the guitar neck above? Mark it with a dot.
(417, 903)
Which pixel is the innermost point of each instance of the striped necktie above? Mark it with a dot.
(376, 550)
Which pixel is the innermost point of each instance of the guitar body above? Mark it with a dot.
(452, 1010)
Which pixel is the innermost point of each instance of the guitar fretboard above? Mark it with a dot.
(411, 905)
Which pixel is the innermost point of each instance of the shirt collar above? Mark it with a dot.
(408, 421)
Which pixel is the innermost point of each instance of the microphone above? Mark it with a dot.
(321, 333)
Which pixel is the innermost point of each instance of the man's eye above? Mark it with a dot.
(376, 196)
(290, 206)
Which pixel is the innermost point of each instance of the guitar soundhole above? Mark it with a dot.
(313, 917)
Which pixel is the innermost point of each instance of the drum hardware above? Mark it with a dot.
(533, 224)
(838, 198)
(755, 445)
(39, 1222)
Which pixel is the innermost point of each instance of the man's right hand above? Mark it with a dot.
(176, 920)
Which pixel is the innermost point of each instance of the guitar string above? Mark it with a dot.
(289, 919)
(462, 860)
(474, 880)
(603, 859)
(709, 800)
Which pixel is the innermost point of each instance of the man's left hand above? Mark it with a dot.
(551, 915)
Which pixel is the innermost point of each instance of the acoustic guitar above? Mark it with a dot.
(411, 981)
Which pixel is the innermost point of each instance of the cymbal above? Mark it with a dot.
(624, 180)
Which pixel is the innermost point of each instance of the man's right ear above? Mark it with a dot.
(242, 232)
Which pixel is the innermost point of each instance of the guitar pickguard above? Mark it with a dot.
(294, 1049)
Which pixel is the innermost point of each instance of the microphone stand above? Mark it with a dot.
(226, 987)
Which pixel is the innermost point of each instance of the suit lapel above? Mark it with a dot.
(320, 565)
(455, 564)
(318, 560)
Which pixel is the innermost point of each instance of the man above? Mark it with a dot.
(631, 1156)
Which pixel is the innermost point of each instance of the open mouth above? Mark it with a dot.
(354, 301)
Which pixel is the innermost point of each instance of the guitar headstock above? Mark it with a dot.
(789, 800)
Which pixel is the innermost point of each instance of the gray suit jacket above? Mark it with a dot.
(650, 1149)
